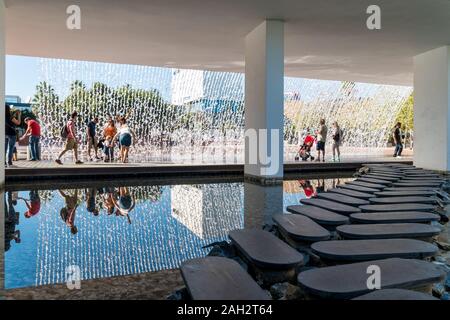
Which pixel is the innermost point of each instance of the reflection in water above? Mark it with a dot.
(111, 231)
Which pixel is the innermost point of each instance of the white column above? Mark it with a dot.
(432, 109)
(2, 93)
(264, 75)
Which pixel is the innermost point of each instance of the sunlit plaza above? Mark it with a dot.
(225, 150)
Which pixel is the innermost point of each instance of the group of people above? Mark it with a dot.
(33, 133)
(320, 137)
(124, 135)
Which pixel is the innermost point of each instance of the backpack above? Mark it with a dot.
(64, 132)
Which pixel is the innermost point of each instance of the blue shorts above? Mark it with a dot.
(125, 139)
(320, 146)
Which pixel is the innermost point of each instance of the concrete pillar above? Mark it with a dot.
(2, 92)
(264, 75)
(432, 109)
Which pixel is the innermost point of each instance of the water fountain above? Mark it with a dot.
(198, 116)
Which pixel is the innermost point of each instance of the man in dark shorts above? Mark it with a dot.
(321, 139)
(91, 138)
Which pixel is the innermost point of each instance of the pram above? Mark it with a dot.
(305, 150)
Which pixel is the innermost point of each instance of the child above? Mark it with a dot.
(108, 147)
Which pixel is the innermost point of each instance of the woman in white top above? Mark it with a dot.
(126, 138)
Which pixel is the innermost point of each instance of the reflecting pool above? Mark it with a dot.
(118, 230)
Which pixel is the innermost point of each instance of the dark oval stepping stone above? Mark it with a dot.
(407, 199)
(411, 189)
(331, 205)
(351, 193)
(405, 193)
(351, 201)
(387, 173)
(217, 278)
(387, 231)
(382, 177)
(395, 294)
(265, 250)
(417, 184)
(394, 217)
(397, 207)
(367, 184)
(357, 188)
(363, 250)
(427, 178)
(319, 215)
(301, 228)
(373, 180)
(350, 280)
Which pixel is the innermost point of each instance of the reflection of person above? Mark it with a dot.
(68, 212)
(91, 193)
(11, 220)
(320, 186)
(33, 204)
(308, 188)
(125, 204)
(108, 200)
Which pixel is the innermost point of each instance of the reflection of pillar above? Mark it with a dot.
(264, 76)
(261, 203)
(2, 93)
(432, 109)
(2, 241)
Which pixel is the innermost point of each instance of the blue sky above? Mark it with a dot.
(21, 76)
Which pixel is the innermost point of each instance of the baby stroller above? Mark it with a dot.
(305, 150)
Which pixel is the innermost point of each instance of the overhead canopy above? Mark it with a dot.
(324, 39)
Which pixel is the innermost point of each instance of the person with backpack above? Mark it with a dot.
(337, 138)
(397, 135)
(11, 121)
(69, 133)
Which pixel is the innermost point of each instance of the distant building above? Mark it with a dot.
(16, 103)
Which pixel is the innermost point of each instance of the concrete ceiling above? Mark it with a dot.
(323, 39)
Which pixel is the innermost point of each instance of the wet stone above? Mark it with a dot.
(351, 193)
(394, 217)
(350, 280)
(351, 201)
(357, 188)
(209, 279)
(331, 205)
(395, 294)
(367, 184)
(397, 207)
(387, 231)
(300, 228)
(410, 193)
(321, 216)
(363, 250)
(406, 199)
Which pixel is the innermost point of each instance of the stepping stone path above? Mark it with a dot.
(350, 280)
(351, 193)
(394, 217)
(319, 215)
(364, 250)
(387, 231)
(367, 184)
(395, 294)
(351, 201)
(408, 199)
(300, 228)
(357, 188)
(405, 193)
(331, 205)
(373, 180)
(264, 250)
(217, 278)
(397, 207)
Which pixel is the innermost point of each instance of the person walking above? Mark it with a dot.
(71, 139)
(91, 138)
(11, 121)
(109, 133)
(397, 135)
(34, 134)
(337, 137)
(126, 138)
(321, 139)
